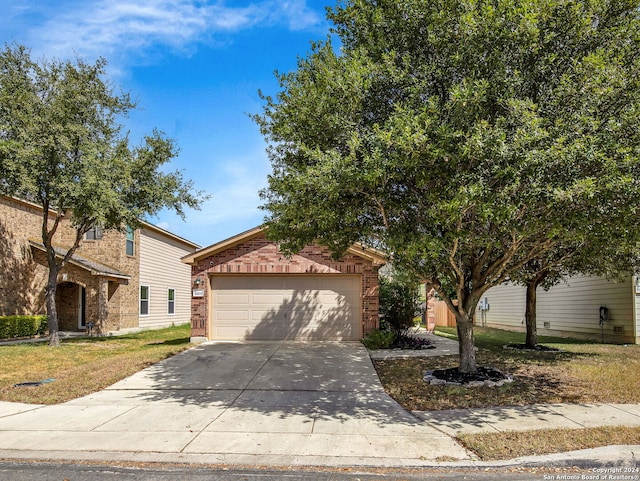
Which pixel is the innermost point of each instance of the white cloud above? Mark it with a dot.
(119, 29)
(234, 204)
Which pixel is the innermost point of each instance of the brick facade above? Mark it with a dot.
(110, 303)
(257, 255)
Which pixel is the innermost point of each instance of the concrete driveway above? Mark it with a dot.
(287, 403)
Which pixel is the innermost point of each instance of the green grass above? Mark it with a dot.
(84, 365)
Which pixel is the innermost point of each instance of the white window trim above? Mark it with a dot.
(148, 301)
(174, 301)
(132, 241)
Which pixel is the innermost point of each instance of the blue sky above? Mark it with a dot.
(195, 68)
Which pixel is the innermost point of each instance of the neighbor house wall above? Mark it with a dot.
(24, 269)
(111, 250)
(22, 279)
(570, 309)
(161, 269)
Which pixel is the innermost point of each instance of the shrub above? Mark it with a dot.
(399, 302)
(22, 326)
(379, 339)
(403, 341)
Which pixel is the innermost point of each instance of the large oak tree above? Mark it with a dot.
(464, 137)
(61, 146)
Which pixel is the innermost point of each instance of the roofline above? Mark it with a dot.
(114, 273)
(222, 245)
(372, 255)
(144, 224)
(26, 202)
(148, 225)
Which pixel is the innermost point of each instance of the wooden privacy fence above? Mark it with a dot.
(444, 317)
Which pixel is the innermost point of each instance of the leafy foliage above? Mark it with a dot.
(61, 146)
(466, 138)
(22, 326)
(399, 302)
(379, 339)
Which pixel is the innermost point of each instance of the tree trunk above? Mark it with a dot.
(530, 316)
(531, 313)
(466, 344)
(52, 313)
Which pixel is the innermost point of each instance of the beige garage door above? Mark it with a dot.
(286, 307)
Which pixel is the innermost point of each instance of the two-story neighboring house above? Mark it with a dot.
(115, 280)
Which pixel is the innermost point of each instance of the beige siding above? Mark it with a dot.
(161, 269)
(506, 308)
(568, 309)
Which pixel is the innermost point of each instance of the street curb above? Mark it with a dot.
(594, 459)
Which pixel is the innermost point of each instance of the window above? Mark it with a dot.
(144, 300)
(95, 233)
(171, 301)
(130, 241)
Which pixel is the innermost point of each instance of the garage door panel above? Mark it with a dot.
(233, 299)
(286, 307)
(264, 315)
(231, 331)
(269, 299)
(300, 283)
(233, 315)
(337, 283)
(333, 299)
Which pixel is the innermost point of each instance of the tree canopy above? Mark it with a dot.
(464, 137)
(61, 146)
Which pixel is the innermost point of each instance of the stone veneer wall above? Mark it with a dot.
(22, 281)
(23, 273)
(261, 256)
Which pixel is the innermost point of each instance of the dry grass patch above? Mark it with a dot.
(509, 445)
(584, 373)
(82, 366)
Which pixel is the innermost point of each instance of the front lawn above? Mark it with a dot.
(84, 365)
(584, 373)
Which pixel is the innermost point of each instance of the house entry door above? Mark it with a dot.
(82, 312)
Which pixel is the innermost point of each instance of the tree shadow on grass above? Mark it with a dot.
(182, 341)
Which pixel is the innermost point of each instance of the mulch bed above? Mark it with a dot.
(537, 348)
(484, 376)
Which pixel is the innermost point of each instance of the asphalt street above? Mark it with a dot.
(10, 471)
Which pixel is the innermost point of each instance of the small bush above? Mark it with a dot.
(399, 302)
(378, 339)
(22, 326)
(404, 341)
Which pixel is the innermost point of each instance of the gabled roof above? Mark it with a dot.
(143, 223)
(94, 267)
(166, 233)
(372, 255)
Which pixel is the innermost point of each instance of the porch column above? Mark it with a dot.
(103, 304)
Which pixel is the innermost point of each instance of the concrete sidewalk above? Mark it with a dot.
(527, 418)
(287, 404)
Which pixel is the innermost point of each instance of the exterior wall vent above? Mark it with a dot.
(547, 325)
(618, 329)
